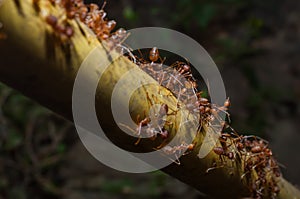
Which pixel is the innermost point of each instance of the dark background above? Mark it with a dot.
(255, 45)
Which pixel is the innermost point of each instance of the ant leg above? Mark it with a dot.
(153, 137)
(162, 60)
(141, 54)
(129, 128)
(170, 151)
(138, 141)
(223, 109)
(138, 130)
(148, 97)
(127, 50)
(214, 167)
(161, 76)
(139, 134)
(244, 174)
(244, 165)
(169, 82)
(177, 161)
(103, 5)
(161, 145)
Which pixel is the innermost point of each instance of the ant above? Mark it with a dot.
(72, 7)
(116, 39)
(183, 69)
(176, 76)
(226, 141)
(221, 152)
(152, 125)
(214, 110)
(63, 31)
(92, 16)
(82, 12)
(155, 70)
(177, 151)
(154, 54)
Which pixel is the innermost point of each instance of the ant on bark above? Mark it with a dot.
(178, 150)
(62, 31)
(258, 158)
(154, 124)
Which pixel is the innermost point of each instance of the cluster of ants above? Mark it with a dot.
(92, 16)
(258, 163)
(253, 152)
(63, 31)
(258, 157)
(179, 80)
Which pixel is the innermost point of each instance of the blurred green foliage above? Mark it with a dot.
(32, 146)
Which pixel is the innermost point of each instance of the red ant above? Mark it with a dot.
(152, 125)
(221, 152)
(63, 31)
(177, 151)
(154, 54)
